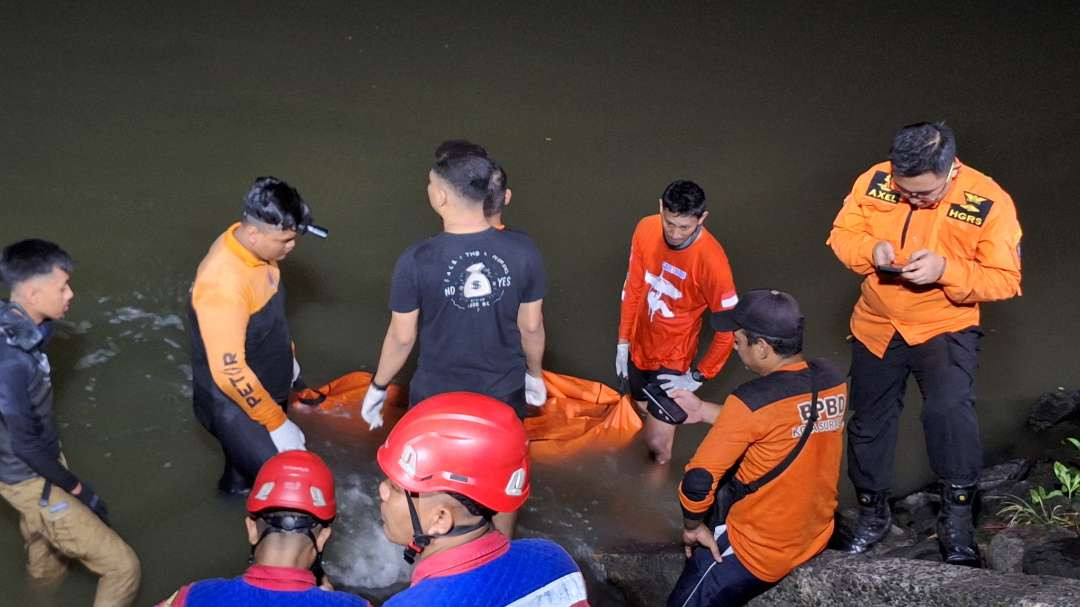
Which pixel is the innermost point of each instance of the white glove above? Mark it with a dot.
(622, 356)
(287, 437)
(686, 381)
(295, 370)
(371, 410)
(535, 390)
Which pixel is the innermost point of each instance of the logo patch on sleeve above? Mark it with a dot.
(973, 210)
(881, 188)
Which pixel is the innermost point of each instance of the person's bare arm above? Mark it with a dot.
(531, 325)
(399, 341)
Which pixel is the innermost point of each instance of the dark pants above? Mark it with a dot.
(246, 443)
(944, 368)
(706, 583)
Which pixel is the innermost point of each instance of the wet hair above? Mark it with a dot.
(466, 167)
(783, 347)
(921, 147)
(276, 203)
(683, 197)
(474, 508)
(32, 257)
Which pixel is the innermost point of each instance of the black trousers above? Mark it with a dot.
(707, 583)
(246, 443)
(944, 368)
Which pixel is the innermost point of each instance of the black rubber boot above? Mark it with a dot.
(872, 525)
(956, 526)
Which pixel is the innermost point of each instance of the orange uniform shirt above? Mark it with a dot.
(790, 519)
(235, 291)
(665, 294)
(974, 227)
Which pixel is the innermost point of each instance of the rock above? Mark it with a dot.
(840, 580)
(1007, 548)
(1051, 408)
(644, 575)
(926, 550)
(996, 477)
(1059, 557)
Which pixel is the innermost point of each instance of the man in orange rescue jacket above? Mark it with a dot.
(677, 271)
(241, 352)
(789, 518)
(933, 238)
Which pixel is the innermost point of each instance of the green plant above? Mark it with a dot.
(1035, 511)
(1075, 442)
(1069, 479)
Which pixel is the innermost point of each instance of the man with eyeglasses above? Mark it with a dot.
(933, 238)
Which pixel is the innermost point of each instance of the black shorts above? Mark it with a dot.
(638, 379)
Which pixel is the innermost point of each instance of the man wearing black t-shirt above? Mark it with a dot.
(473, 294)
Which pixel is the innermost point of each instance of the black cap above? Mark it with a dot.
(766, 312)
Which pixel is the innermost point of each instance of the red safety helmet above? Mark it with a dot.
(294, 480)
(462, 442)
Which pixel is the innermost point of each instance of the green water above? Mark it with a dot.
(131, 131)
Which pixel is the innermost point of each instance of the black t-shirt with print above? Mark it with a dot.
(468, 288)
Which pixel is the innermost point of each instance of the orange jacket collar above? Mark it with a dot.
(240, 250)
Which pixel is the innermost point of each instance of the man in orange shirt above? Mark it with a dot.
(241, 351)
(677, 271)
(933, 238)
(789, 518)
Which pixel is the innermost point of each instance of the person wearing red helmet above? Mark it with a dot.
(290, 510)
(451, 463)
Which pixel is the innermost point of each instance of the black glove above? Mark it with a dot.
(94, 502)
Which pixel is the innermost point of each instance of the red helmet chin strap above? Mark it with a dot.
(420, 540)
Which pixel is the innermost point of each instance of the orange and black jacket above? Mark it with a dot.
(974, 227)
(665, 294)
(790, 519)
(241, 352)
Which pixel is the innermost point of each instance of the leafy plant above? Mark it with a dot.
(1075, 442)
(1069, 479)
(1037, 509)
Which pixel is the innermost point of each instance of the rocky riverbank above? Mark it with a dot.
(1029, 542)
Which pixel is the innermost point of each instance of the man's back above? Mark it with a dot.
(790, 519)
(262, 586)
(468, 288)
(492, 572)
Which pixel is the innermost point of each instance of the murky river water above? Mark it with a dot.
(130, 134)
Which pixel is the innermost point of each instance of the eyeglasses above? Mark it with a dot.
(931, 194)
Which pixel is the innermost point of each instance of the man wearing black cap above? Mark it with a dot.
(788, 519)
(241, 351)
